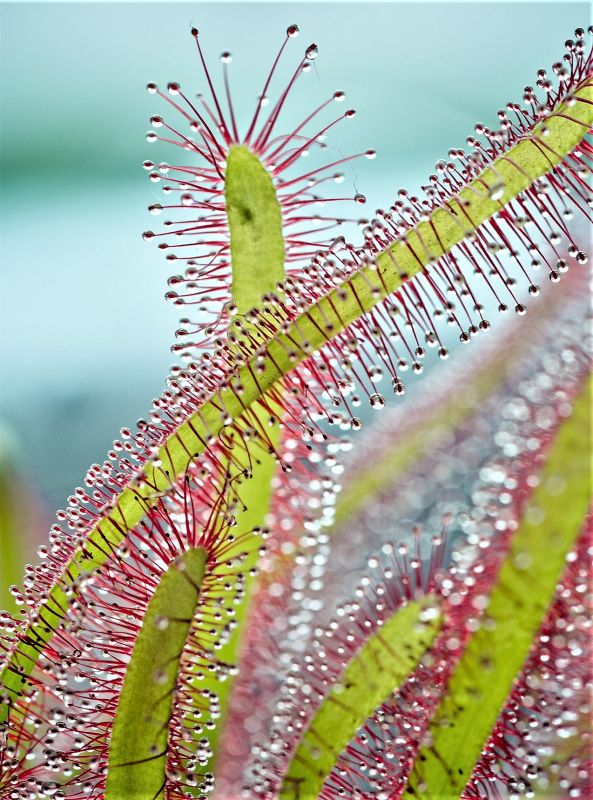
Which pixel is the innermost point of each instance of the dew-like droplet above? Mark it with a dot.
(311, 52)
(152, 88)
(226, 57)
(377, 401)
(360, 199)
(496, 191)
(292, 31)
(173, 88)
(156, 121)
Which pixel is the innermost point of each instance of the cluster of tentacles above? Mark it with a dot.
(276, 644)
(480, 471)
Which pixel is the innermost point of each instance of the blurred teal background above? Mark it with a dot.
(85, 331)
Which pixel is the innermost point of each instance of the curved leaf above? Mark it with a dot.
(255, 225)
(138, 747)
(381, 665)
(524, 589)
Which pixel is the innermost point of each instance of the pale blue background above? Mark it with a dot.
(85, 330)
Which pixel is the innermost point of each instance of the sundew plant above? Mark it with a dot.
(205, 619)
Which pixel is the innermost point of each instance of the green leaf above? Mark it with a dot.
(139, 741)
(524, 589)
(381, 665)
(524, 163)
(255, 225)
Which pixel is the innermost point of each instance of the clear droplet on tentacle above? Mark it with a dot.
(311, 52)
(377, 401)
(496, 191)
